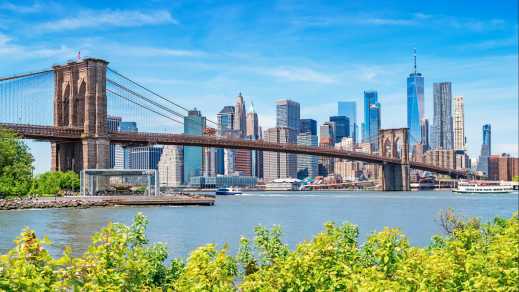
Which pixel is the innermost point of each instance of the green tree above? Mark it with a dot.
(15, 165)
(52, 183)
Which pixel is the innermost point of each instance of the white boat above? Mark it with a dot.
(483, 187)
(228, 191)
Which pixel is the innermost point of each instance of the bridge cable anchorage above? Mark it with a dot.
(145, 107)
(24, 75)
(154, 93)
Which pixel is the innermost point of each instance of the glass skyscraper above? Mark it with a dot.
(349, 110)
(371, 119)
(415, 105)
(342, 127)
(486, 149)
(287, 114)
(442, 123)
(308, 126)
(194, 124)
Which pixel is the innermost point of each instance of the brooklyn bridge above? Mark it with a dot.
(68, 105)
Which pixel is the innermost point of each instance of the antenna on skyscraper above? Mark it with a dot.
(414, 54)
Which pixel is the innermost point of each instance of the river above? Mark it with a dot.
(301, 215)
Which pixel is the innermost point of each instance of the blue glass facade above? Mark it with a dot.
(415, 107)
(194, 124)
(486, 149)
(371, 119)
(146, 157)
(342, 127)
(443, 135)
(287, 114)
(349, 110)
(308, 126)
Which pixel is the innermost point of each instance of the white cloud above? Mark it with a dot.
(14, 51)
(299, 74)
(35, 7)
(108, 18)
(491, 44)
(512, 149)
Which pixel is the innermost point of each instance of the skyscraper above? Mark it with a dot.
(113, 125)
(171, 166)
(278, 164)
(225, 119)
(349, 110)
(342, 127)
(252, 124)
(308, 126)
(486, 149)
(144, 157)
(415, 105)
(326, 139)
(307, 165)
(287, 114)
(425, 134)
(194, 124)
(442, 125)
(459, 124)
(371, 119)
(240, 115)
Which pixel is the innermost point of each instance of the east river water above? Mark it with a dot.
(301, 215)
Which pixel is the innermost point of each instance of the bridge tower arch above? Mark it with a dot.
(80, 102)
(395, 144)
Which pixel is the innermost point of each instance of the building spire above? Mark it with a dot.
(414, 55)
(251, 107)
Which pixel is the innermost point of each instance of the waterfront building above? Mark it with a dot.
(441, 158)
(415, 105)
(229, 161)
(503, 167)
(283, 184)
(115, 150)
(242, 162)
(342, 127)
(128, 127)
(194, 124)
(346, 169)
(326, 139)
(442, 125)
(486, 149)
(349, 110)
(287, 114)
(371, 119)
(219, 181)
(144, 157)
(276, 164)
(125, 127)
(459, 124)
(307, 165)
(240, 116)
(308, 126)
(171, 166)
(209, 155)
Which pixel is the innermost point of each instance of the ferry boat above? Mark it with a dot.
(228, 191)
(483, 187)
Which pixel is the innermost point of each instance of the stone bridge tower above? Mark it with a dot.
(393, 143)
(80, 102)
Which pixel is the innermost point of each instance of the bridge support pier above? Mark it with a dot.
(66, 156)
(395, 177)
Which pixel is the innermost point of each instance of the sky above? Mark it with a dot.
(203, 53)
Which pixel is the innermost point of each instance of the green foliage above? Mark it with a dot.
(473, 256)
(15, 165)
(52, 183)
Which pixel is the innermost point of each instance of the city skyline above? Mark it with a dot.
(482, 44)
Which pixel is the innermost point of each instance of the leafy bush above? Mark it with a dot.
(15, 165)
(52, 183)
(472, 256)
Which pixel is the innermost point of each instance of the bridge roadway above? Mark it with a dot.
(69, 134)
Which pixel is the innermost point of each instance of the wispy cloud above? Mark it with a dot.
(9, 6)
(299, 74)
(109, 18)
(491, 44)
(15, 51)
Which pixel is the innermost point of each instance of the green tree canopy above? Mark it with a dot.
(15, 165)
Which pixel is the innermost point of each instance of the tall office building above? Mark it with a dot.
(277, 164)
(371, 119)
(171, 166)
(308, 126)
(128, 127)
(459, 124)
(415, 105)
(287, 114)
(342, 127)
(115, 150)
(486, 149)
(326, 139)
(442, 124)
(194, 124)
(225, 123)
(349, 110)
(425, 134)
(252, 124)
(240, 115)
(144, 157)
(307, 165)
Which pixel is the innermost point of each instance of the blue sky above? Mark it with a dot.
(202, 53)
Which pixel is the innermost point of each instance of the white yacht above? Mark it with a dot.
(483, 187)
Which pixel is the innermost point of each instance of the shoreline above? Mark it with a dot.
(105, 201)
